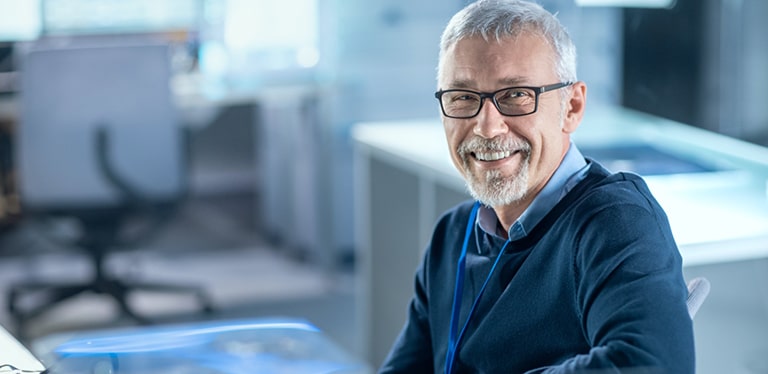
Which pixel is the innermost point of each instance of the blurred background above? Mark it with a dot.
(250, 150)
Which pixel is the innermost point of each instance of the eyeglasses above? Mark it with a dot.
(510, 101)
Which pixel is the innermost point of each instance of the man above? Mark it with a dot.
(561, 266)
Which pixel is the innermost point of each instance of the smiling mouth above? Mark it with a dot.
(492, 156)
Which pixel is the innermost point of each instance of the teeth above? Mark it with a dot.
(492, 156)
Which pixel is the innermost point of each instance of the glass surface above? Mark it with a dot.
(644, 159)
(218, 347)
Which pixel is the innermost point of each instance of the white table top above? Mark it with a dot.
(12, 352)
(715, 216)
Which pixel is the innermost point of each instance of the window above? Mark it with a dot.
(66, 17)
(259, 35)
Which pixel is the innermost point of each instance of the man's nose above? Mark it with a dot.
(490, 122)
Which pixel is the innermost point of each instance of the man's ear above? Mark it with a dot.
(575, 107)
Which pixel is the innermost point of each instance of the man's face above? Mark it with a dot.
(505, 160)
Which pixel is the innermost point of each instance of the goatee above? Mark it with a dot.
(491, 187)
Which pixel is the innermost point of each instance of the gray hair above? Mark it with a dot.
(502, 19)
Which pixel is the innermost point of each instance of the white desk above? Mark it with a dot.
(405, 180)
(12, 352)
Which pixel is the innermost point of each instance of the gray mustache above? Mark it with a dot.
(478, 144)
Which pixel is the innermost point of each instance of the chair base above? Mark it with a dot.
(55, 293)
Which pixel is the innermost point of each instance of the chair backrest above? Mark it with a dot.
(698, 290)
(70, 98)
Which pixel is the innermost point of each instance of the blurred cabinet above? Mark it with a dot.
(291, 154)
(404, 180)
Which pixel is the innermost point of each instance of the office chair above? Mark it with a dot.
(698, 290)
(99, 141)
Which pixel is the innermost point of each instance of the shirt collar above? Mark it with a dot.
(571, 171)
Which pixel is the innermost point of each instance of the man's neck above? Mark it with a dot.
(509, 214)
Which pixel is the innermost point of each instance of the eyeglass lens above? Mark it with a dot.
(511, 101)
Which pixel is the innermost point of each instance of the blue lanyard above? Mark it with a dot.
(453, 338)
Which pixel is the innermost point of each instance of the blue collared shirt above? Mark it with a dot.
(571, 171)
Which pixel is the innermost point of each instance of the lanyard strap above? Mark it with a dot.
(453, 338)
(457, 294)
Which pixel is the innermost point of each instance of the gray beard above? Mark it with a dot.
(494, 190)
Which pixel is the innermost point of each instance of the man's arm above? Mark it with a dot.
(631, 293)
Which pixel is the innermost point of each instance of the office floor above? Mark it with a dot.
(212, 242)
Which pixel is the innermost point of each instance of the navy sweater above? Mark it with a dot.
(596, 287)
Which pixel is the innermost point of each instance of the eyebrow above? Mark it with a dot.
(515, 81)
(463, 83)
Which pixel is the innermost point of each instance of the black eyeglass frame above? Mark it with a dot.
(492, 96)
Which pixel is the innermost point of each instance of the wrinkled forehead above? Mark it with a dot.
(511, 56)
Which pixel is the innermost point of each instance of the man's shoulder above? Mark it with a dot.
(603, 187)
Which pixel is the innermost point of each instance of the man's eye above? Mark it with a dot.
(465, 97)
(515, 94)
(516, 97)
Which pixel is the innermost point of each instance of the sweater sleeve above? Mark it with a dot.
(630, 290)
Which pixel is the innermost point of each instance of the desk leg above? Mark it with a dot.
(397, 210)
(390, 255)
